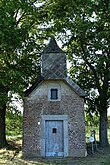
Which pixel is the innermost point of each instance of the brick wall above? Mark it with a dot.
(38, 104)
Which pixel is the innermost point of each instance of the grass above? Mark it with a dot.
(12, 155)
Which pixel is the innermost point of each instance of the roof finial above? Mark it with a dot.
(52, 47)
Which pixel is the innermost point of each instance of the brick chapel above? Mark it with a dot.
(53, 117)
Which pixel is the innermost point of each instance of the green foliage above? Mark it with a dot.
(108, 121)
(13, 122)
(84, 28)
(91, 120)
(20, 43)
(20, 46)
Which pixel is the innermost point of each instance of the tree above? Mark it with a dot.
(14, 120)
(19, 47)
(84, 27)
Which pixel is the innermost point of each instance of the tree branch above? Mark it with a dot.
(17, 22)
(16, 14)
(90, 66)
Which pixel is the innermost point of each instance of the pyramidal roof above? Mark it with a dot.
(52, 47)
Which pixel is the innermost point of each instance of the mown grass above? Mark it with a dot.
(12, 155)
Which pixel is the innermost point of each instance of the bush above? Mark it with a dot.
(13, 122)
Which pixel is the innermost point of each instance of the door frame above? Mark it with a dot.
(64, 118)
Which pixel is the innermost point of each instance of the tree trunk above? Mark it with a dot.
(103, 128)
(3, 142)
(3, 102)
(103, 105)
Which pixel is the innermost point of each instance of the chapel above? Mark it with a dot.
(53, 117)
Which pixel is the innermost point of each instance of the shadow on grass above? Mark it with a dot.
(12, 145)
(12, 154)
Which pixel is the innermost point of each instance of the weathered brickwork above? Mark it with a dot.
(65, 113)
(37, 104)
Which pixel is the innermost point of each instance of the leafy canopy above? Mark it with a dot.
(84, 28)
(20, 43)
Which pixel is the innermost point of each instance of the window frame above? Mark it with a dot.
(54, 86)
(54, 94)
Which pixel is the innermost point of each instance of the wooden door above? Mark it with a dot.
(54, 138)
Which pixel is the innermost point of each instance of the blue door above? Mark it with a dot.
(54, 138)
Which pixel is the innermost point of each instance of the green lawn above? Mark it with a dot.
(13, 156)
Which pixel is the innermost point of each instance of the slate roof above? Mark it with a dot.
(34, 85)
(52, 47)
(75, 87)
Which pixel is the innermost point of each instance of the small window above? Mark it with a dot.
(54, 130)
(54, 94)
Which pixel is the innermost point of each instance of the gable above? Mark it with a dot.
(45, 86)
(67, 80)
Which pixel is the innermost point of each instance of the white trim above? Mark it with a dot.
(64, 118)
(54, 154)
